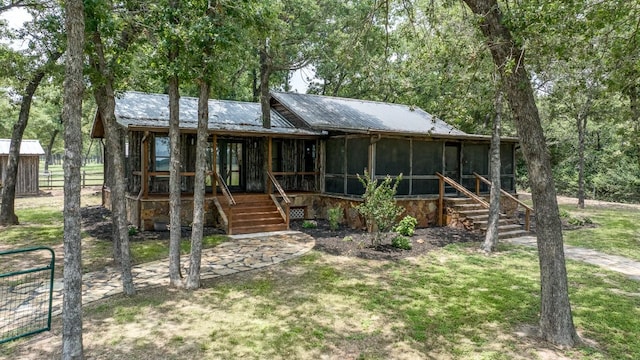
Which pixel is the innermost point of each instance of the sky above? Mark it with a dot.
(18, 16)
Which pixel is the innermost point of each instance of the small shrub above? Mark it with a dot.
(401, 242)
(335, 217)
(407, 226)
(133, 230)
(309, 224)
(347, 238)
(564, 214)
(379, 207)
(587, 220)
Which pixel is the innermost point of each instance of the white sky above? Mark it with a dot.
(15, 17)
(298, 79)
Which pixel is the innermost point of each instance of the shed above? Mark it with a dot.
(27, 181)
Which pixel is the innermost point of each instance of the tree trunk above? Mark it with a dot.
(47, 155)
(7, 205)
(265, 73)
(491, 237)
(193, 281)
(72, 118)
(581, 124)
(175, 276)
(105, 100)
(556, 321)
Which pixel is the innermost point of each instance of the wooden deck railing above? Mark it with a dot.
(287, 203)
(458, 187)
(528, 210)
(230, 201)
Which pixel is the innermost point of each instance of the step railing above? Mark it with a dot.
(230, 201)
(528, 210)
(458, 187)
(287, 203)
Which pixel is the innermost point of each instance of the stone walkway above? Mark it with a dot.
(240, 253)
(615, 263)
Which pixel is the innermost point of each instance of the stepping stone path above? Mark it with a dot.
(239, 253)
(620, 264)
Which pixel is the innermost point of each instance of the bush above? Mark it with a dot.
(407, 226)
(309, 224)
(335, 217)
(564, 214)
(401, 242)
(133, 230)
(379, 208)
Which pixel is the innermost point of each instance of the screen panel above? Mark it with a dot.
(427, 157)
(357, 155)
(393, 157)
(335, 156)
(475, 159)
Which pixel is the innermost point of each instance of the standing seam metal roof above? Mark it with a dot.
(152, 110)
(333, 113)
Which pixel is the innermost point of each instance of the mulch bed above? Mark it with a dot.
(357, 243)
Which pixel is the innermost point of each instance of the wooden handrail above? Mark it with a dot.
(287, 202)
(278, 187)
(528, 209)
(232, 202)
(462, 189)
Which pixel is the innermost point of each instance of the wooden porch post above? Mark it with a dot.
(145, 166)
(269, 163)
(441, 202)
(214, 163)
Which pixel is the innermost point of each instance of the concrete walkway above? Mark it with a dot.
(240, 253)
(615, 263)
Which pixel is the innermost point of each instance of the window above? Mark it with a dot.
(309, 156)
(162, 153)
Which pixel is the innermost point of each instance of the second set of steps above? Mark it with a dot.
(467, 208)
(254, 213)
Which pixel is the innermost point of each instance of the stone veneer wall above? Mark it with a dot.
(423, 209)
(157, 210)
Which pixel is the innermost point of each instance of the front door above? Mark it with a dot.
(230, 164)
(451, 165)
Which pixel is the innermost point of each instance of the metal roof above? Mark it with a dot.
(27, 147)
(137, 109)
(333, 113)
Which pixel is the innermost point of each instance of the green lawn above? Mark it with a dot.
(453, 303)
(616, 232)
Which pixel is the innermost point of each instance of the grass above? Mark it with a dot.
(454, 303)
(41, 223)
(352, 308)
(617, 231)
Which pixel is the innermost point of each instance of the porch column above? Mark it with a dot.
(269, 163)
(214, 176)
(144, 176)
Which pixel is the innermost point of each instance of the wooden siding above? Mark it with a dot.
(28, 176)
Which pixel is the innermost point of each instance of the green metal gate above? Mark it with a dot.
(26, 294)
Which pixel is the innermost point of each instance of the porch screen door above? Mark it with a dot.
(230, 163)
(451, 166)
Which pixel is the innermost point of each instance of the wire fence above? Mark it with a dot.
(51, 180)
(26, 289)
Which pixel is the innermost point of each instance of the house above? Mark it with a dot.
(28, 166)
(307, 162)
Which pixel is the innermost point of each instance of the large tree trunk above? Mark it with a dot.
(72, 118)
(105, 99)
(175, 276)
(556, 321)
(491, 237)
(7, 206)
(193, 280)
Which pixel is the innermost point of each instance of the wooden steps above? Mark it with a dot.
(467, 208)
(254, 213)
